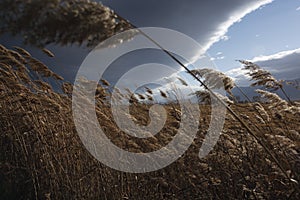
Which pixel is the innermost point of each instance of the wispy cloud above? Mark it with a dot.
(276, 56)
(298, 9)
(239, 76)
(235, 17)
(219, 56)
(225, 37)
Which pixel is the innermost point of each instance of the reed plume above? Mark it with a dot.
(48, 52)
(260, 76)
(215, 79)
(43, 22)
(263, 77)
(183, 82)
(278, 105)
(204, 96)
(262, 112)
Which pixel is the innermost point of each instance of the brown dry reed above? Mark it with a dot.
(43, 22)
(42, 156)
(263, 77)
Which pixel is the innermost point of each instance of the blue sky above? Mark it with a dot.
(266, 31)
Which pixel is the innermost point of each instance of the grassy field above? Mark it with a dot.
(42, 156)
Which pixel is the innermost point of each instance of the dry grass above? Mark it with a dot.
(263, 78)
(41, 22)
(42, 156)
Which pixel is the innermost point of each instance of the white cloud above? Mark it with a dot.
(298, 8)
(235, 17)
(276, 56)
(239, 76)
(225, 37)
(217, 58)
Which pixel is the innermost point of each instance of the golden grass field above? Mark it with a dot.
(42, 156)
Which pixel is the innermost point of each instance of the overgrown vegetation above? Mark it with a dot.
(41, 22)
(42, 156)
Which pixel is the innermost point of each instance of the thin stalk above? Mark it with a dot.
(287, 96)
(243, 93)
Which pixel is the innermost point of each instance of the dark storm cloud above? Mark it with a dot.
(205, 21)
